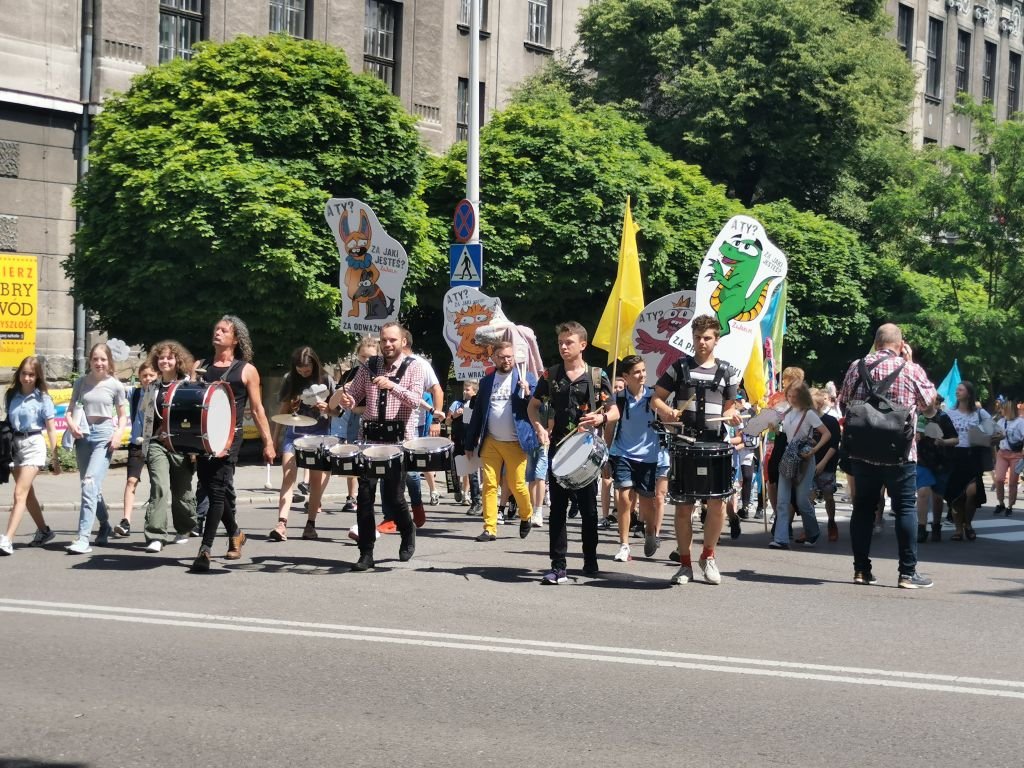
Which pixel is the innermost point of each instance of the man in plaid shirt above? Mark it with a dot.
(912, 389)
(402, 384)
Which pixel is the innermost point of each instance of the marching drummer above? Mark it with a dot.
(580, 400)
(704, 390)
(392, 386)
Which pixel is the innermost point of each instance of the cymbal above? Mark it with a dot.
(293, 420)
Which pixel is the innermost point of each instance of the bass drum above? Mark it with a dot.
(577, 462)
(198, 418)
(700, 471)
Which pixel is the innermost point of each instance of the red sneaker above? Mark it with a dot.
(388, 526)
(419, 515)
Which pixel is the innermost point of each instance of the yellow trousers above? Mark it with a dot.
(494, 453)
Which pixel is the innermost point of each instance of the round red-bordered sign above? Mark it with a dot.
(464, 222)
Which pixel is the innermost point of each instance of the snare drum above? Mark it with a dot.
(700, 471)
(577, 462)
(428, 454)
(311, 452)
(344, 459)
(380, 462)
(198, 418)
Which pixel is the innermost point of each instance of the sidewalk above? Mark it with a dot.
(62, 492)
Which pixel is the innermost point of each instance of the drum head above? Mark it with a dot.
(344, 450)
(382, 452)
(308, 443)
(428, 444)
(219, 429)
(573, 453)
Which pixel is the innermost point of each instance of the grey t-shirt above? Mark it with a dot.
(101, 399)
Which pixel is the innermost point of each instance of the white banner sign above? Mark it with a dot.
(373, 266)
(466, 310)
(741, 271)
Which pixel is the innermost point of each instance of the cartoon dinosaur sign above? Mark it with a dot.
(467, 310)
(373, 266)
(658, 322)
(741, 271)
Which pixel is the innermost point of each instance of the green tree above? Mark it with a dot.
(773, 98)
(206, 191)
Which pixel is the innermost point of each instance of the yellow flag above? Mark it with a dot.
(627, 299)
(754, 381)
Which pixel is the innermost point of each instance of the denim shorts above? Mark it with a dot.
(537, 465)
(637, 475)
(929, 478)
(664, 464)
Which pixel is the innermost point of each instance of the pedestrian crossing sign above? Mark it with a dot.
(467, 264)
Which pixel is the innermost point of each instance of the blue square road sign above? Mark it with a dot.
(467, 264)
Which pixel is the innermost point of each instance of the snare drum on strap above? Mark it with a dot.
(577, 462)
(428, 454)
(311, 452)
(700, 471)
(380, 462)
(198, 418)
(345, 459)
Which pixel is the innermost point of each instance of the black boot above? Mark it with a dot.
(922, 534)
(365, 562)
(408, 545)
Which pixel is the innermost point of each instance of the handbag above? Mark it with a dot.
(792, 461)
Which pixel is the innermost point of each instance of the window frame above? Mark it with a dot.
(905, 29)
(1013, 85)
(532, 26)
(933, 63)
(464, 14)
(180, 15)
(963, 61)
(374, 62)
(989, 72)
(288, 9)
(462, 108)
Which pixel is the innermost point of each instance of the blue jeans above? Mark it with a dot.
(900, 482)
(93, 455)
(412, 484)
(803, 483)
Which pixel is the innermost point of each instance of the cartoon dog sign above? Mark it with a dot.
(658, 322)
(373, 266)
(741, 271)
(466, 311)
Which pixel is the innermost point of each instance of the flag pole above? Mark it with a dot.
(618, 324)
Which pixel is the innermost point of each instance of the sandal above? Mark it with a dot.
(280, 532)
(970, 534)
(958, 536)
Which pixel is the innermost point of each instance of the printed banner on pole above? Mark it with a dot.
(466, 311)
(741, 271)
(19, 307)
(657, 323)
(373, 266)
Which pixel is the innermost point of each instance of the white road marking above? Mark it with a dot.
(524, 647)
(996, 522)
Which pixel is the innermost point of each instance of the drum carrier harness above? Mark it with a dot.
(383, 430)
(687, 385)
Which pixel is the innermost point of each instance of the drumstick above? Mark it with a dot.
(575, 431)
(726, 418)
(268, 485)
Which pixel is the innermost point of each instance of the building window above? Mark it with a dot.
(905, 29)
(933, 67)
(963, 61)
(1013, 86)
(464, 8)
(538, 22)
(462, 109)
(380, 41)
(988, 75)
(181, 27)
(288, 16)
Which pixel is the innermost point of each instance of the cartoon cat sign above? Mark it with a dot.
(466, 310)
(373, 266)
(741, 271)
(658, 322)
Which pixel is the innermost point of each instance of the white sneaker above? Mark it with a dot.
(154, 546)
(353, 533)
(181, 538)
(622, 556)
(79, 546)
(683, 576)
(42, 537)
(538, 517)
(709, 568)
(6, 547)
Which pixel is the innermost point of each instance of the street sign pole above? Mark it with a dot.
(473, 150)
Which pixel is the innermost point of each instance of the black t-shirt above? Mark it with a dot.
(930, 454)
(570, 400)
(831, 423)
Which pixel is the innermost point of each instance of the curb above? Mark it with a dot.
(247, 500)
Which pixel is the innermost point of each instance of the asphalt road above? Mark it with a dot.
(460, 657)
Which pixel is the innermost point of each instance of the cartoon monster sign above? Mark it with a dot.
(658, 322)
(373, 266)
(741, 271)
(466, 310)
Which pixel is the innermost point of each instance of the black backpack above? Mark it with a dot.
(878, 430)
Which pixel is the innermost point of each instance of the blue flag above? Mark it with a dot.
(949, 384)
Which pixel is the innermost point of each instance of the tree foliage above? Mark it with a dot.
(771, 97)
(206, 190)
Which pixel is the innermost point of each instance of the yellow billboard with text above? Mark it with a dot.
(19, 307)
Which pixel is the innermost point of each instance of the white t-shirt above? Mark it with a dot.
(429, 377)
(791, 421)
(1014, 429)
(500, 425)
(963, 423)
